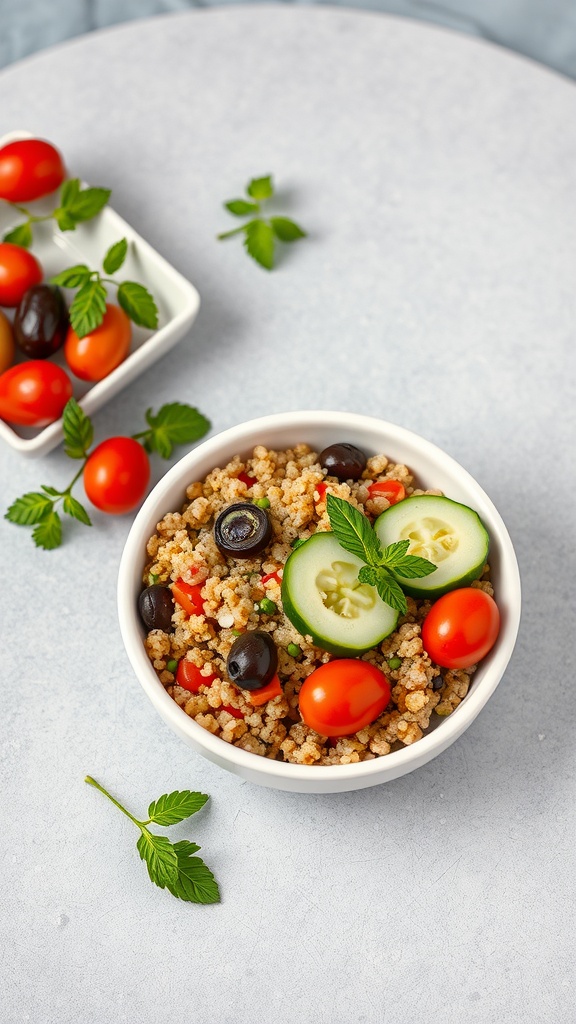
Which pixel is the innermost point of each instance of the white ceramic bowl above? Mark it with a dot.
(433, 468)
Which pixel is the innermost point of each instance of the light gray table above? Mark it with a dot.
(435, 176)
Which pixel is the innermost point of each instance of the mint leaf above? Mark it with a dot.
(286, 230)
(241, 208)
(138, 304)
(31, 508)
(64, 220)
(259, 243)
(48, 533)
(260, 188)
(72, 277)
(21, 235)
(73, 508)
(390, 590)
(68, 192)
(174, 807)
(412, 567)
(87, 308)
(160, 857)
(353, 530)
(82, 204)
(173, 424)
(194, 882)
(115, 256)
(78, 430)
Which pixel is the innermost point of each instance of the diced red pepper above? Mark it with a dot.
(232, 711)
(321, 490)
(265, 693)
(393, 490)
(272, 576)
(246, 479)
(189, 677)
(189, 597)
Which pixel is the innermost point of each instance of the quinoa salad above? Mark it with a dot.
(212, 599)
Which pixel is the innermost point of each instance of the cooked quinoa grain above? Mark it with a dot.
(245, 594)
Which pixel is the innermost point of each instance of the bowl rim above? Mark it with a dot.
(392, 764)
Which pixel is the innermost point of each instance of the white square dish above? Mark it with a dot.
(177, 299)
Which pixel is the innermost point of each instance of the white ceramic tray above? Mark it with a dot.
(177, 299)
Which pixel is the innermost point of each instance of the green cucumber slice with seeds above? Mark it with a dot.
(442, 530)
(323, 599)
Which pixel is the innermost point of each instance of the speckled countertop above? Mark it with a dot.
(435, 176)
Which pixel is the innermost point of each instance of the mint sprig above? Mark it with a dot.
(174, 424)
(382, 567)
(171, 866)
(88, 306)
(260, 233)
(77, 204)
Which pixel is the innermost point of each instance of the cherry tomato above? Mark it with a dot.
(95, 355)
(189, 677)
(189, 597)
(393, 490)
(33, 394)
(116, 475)
(343, 696)
(461, 627)
(29, 169)
(19, 270)
(7, 347)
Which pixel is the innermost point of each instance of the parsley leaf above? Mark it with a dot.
(259, 233)
(172, 866)
(241, 208)
(48, 533)
(30, 509)
(261, 188)
(72, 507)
(173, 424)
(286, 230)
(79, 204)
(73, 277)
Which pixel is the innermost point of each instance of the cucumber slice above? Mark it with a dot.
(323, 599)
(447, 533)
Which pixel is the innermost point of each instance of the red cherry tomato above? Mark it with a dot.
(19, 270)
(393, 490)
(95, 355)
(29, 169)
(116, 475)
(33, 394)
(189, 677)
(343, 696)
(461, 627)
(189, 597)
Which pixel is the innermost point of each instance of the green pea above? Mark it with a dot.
(294, 651)
(267, 606)
(262, 502)
(172, 665)
(394, 662)
(152, 579)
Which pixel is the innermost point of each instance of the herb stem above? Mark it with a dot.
(92, 782)
(228, 234)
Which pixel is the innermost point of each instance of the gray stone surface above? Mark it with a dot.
(434, 174)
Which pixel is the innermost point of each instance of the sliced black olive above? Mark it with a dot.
(156, 605)
(253, 660)
(41, 321)
(343, 460)
(242, 530)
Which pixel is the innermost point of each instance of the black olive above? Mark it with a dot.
(41, 321)
(242, 530)
(253, 660)
(343, 460)
(156, 605)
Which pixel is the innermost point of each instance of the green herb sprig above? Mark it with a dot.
(382, 567)
(172, 866)
(88, 306)
(260, 234)
(174, 424)
(77, 204)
